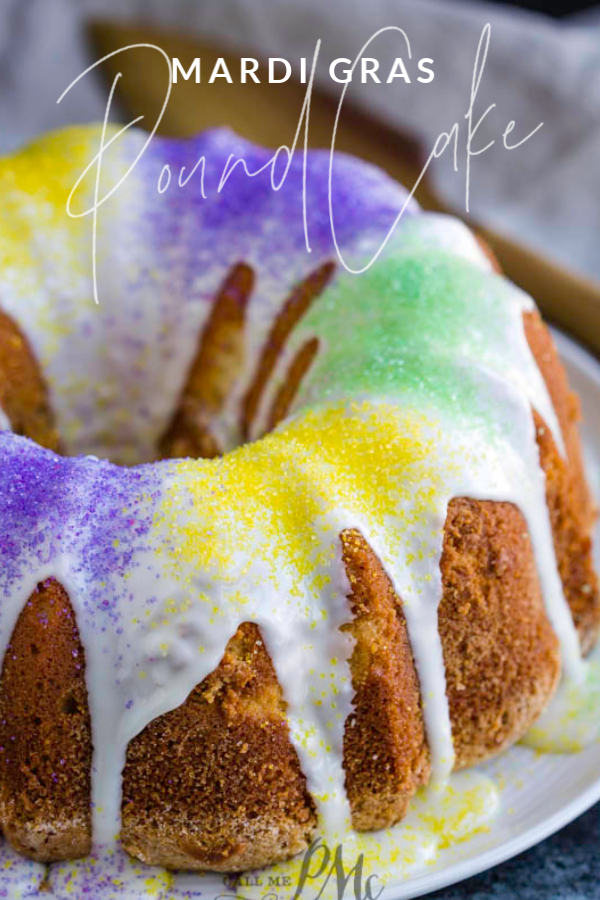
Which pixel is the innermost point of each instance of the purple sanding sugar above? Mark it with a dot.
(364, 199)
(52, 505)
(248, 219)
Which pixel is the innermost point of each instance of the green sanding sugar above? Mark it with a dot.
(424, 326)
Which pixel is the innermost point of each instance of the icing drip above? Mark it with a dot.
(195, 548)
(4, 421)
(420, 391)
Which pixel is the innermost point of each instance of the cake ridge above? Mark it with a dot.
(202, 539)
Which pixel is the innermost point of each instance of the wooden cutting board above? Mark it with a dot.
(268, 114)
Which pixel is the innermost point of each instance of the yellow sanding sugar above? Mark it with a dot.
(277, 500)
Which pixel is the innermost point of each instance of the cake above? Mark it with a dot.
(281, 543)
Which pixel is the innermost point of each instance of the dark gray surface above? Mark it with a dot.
(566, 866)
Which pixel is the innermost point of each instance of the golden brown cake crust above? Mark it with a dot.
(572, 537)
(566, 405)
(45, 732)
(213, 372)
(298, 368)
(23, 395)
(572, 511)
(296, 305)
(385, 749)
(501, 656)
(216, 783)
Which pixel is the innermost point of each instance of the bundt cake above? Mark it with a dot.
(280, 543)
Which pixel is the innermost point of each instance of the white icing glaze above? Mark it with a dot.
(157, 656)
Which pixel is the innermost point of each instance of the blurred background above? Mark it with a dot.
(543, 66)
(557, 8)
